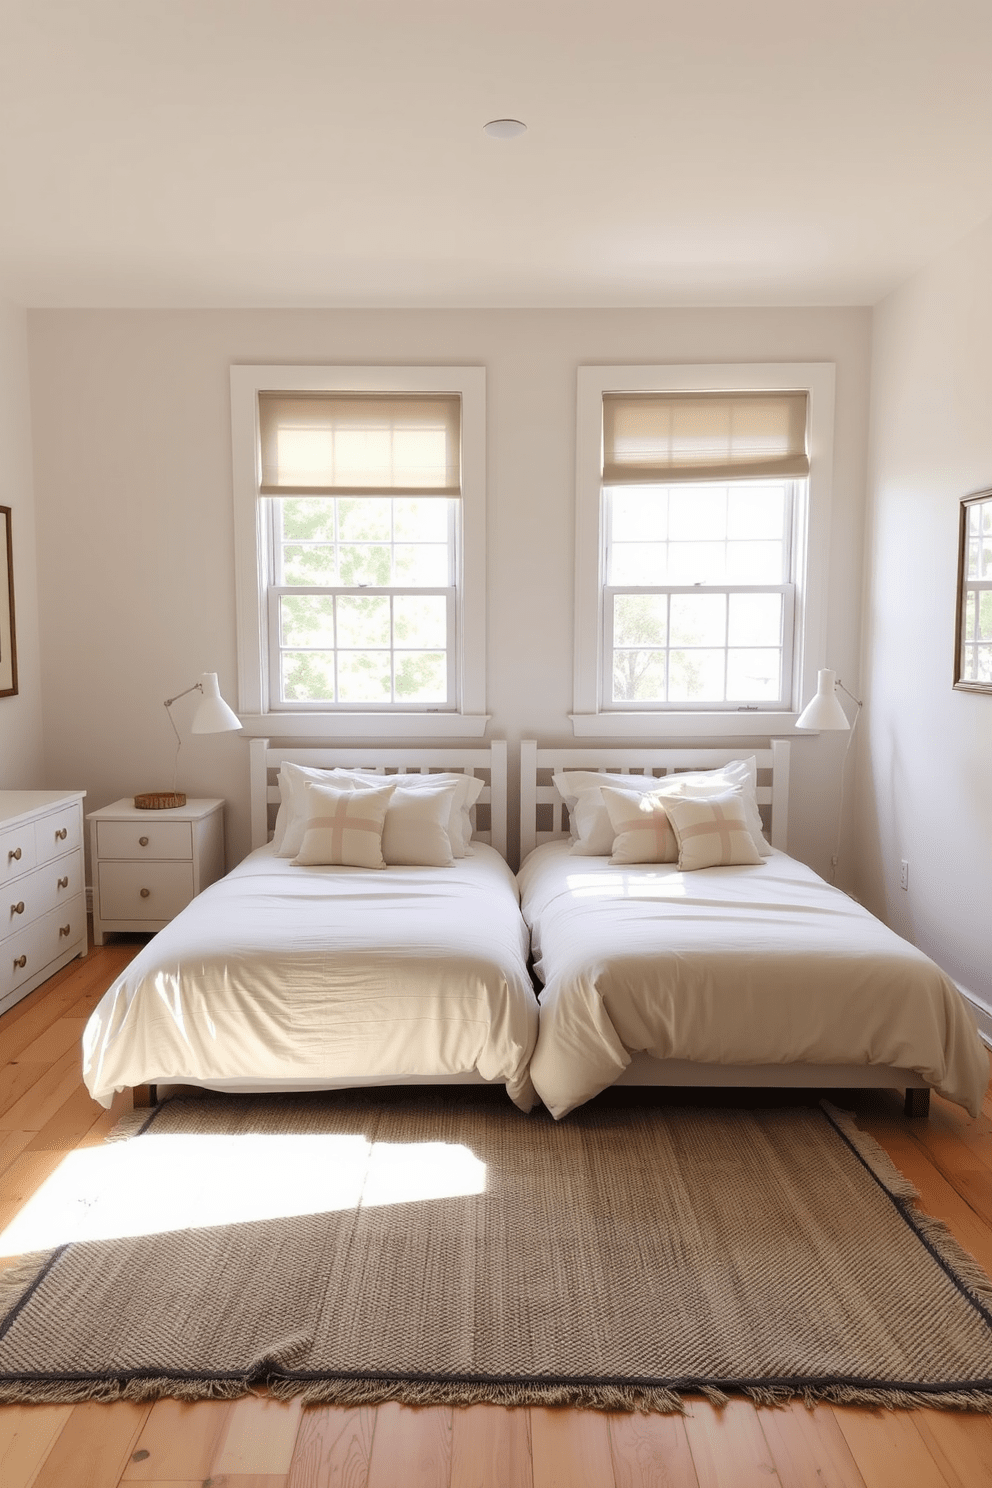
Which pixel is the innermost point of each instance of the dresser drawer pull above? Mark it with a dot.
(145, 893)
(20, 962)
(17, 908)
(14, 853)
(63, 883)
(64, 930)
(61, 834)
(142, 841)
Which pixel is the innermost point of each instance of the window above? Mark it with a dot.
(360, 514)
(695, 596)
(973, 650)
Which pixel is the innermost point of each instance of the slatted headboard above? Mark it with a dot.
(488, 762)
(542, 812)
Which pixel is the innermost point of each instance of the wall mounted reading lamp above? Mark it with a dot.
(212, 716)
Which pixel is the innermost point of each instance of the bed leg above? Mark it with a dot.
(918, 1102)
(144, 1096)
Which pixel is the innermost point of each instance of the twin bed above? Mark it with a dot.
(289, 977)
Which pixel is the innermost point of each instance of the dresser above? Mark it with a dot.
(148, 865)
(43, 904)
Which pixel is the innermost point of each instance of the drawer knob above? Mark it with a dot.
(61, 834)
(145, 893)
(142, 841)
(64, 930)
(63, 883)
(20, 961)
(14, 853)
(17, 908)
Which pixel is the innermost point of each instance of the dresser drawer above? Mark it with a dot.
(17, 853)
(26, 953)
(137, 840)
(144, 891)
(57, 833)
(33, 894)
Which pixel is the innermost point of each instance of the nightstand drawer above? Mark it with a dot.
(137, 840)
(34, 894)
(144, 891)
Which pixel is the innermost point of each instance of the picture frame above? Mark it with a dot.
(973, 618)
(8, 634)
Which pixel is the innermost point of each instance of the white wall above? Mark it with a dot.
(22, 765)
(133, 479)
(925, 783)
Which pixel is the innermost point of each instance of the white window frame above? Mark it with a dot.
(468, 719)
(811, 538)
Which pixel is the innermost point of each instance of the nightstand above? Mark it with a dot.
(43, 909)
(148, 865)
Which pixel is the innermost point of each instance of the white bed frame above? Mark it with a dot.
(265, 759)
(538, 796)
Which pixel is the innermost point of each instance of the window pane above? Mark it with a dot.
(364, 518)
(422, 676)
(697, 512)
(421, 521)
(363, 676)
(639, 515)
(639, 676)
(309, 518)
(420, 620)
(309, 564)
(308, 676)
(363, 621)
(638, 563)
(983, 663)
(754, 563)
(753, 674)
(984, 615)
(424, 564)
(696, 676)
(755, 620)
(366, 565)
(974, 549)
(986, 559)
(697, 563)
(756, 512)
(640, 620)
(699, 620)
(305, 621)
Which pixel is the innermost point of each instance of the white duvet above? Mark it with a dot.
(751, 965)
(296, 978)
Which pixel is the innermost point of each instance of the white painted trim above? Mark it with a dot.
(812, 536)
(251, 540)
(982, 1014)
(328, 726)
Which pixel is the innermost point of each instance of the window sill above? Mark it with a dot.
(681, 725)
(365, 726)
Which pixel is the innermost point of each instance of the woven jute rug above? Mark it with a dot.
(448, 1249)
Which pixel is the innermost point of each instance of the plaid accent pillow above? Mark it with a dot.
(344, 828)
(711, 833)
(642, 831)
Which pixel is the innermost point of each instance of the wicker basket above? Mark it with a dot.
(160, 800)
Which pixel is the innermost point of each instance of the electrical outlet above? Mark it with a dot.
(904, 874)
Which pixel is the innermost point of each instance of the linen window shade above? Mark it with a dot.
(657, 438)
(351, 443)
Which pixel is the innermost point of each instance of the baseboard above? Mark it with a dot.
(983, 1015)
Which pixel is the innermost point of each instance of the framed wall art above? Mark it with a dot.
(973, 641)
(8, 635)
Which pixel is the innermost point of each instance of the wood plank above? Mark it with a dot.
(70, 1123)
(888, 1449)
(64, 1034)
(27, 1435)
(960, 1443)
(258, 1437)
(411, 1446)
(34, 1093)
(490, 1447)
(651, 1452)
(235, 1480)
(12, 1144)
(179, 1440)
(571, 1449)
(728, 1446)
(808, 1447)
(333, 1447)
(93, 1447)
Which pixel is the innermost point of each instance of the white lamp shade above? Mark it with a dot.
(824, 710)
(213, 716)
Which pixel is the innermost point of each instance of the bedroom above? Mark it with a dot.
(115, 416)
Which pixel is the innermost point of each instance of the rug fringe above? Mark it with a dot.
(881, 1164)
(128, 1126)
(17, 1278)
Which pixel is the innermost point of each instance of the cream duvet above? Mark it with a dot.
(748, 965)
(280, 977)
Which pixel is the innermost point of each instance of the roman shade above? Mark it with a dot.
(654, 438)
(379, 444)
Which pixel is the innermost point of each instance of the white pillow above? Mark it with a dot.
(343, 828)
(711, 832)
(468, 789)
(640, 821)
(416, 831)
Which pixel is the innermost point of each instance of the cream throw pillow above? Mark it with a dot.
(711, 833)
(343, 828)
(468, 789)
(643, 833)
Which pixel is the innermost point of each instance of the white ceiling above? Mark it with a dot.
(320, 153)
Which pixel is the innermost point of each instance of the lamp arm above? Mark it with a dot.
(849, 693)
(197, 687)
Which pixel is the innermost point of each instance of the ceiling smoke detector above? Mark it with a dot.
(504, 128)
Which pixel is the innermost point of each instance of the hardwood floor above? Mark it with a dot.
(45, 1113)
